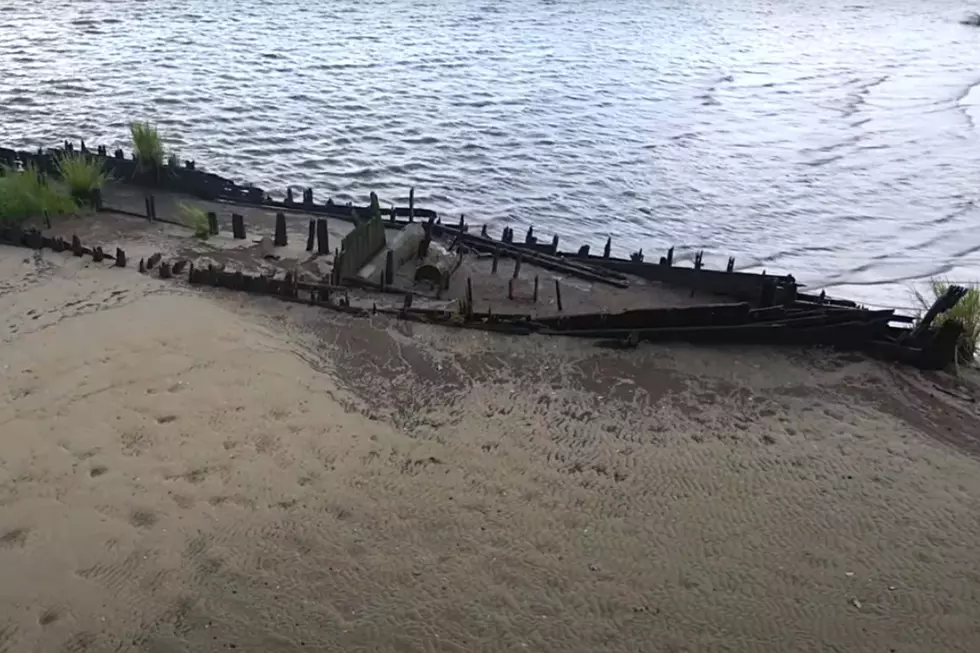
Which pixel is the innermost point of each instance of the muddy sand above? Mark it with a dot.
(194, 470)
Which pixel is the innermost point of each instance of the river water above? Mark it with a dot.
(833, 140)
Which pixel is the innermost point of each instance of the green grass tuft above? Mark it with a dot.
(197, 220)
(82, 174)
(147, 144)
(26, 193)
(967, 312)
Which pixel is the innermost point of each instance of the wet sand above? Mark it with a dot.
(186, 470)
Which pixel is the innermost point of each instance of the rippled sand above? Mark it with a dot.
(190, 472)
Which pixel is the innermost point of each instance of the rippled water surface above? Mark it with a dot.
(836, 141)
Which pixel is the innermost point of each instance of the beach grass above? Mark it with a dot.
(147, 144)
(26, 193)
(196, 219)
(966, 312)
(82, 174)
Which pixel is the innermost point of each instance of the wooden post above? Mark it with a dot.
(322, 237)
(238, 226)
(583, 251)
(153, 260)
(510, 288)
(375, 207)
(535, 289)
(308, 197)
(280, 239)
(483, 231)
(179, 266)
(212, 223)
(120, 258)
(469, 298)
(517, 266)
(558, 294)
(389, 269)
(496, 260)
(411, 205)
(146, 203)
(76, 245)
(608, 248)
(529, 236)
(289, 197)
(165, 272)
(142, 266)
(731, 264)
(554, 244)
(97, 199)
(311, 236)
(670, 257)
(97, 254)
(697, 260)
(462, 222)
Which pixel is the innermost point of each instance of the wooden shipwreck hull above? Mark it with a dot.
(769, 309)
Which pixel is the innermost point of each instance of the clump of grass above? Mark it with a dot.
(966, 311)
(197, 220)
(147, 144)
(26, 193)
(82, 174)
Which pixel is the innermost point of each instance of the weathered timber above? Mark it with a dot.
(558, 294)
(280, 239)
(722, 314)
(322, 237)
(389, 276)
(238, 226)
(153, 260)
(212, 223)
(311, 236)
(76, 246)
(165, 271)
(948, 300)
(120, 258)
(546, 261)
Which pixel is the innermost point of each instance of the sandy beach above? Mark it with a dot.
(185, 470)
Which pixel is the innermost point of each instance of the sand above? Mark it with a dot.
(188, 470)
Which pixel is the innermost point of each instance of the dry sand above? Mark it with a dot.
(197, 471)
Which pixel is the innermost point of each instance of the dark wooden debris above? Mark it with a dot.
(238, 226)
(322, 237)
(281, 239)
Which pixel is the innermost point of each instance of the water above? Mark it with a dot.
(834, 141)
